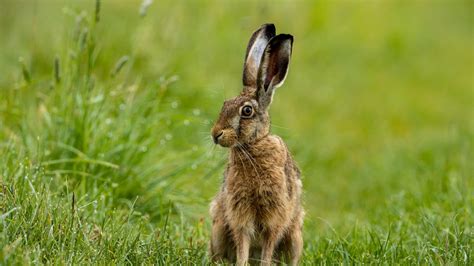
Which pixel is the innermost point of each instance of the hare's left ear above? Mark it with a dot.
(273, 68)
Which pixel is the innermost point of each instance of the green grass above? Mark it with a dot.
(104, 128)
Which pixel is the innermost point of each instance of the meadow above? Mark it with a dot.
(106, 109)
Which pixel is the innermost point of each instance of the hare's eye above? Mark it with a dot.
(246, 111)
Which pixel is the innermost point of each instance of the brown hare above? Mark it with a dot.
(257, 215)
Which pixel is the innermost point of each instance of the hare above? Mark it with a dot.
(257, 215)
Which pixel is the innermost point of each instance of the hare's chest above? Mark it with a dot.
(259, 194)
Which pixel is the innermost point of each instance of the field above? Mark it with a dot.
(106, 109)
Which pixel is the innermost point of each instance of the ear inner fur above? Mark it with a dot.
(273, 67)
(255, 49)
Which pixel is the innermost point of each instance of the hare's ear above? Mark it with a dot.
(273, 68)
(255, 48)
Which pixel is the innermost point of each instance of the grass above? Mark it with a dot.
(104, 128)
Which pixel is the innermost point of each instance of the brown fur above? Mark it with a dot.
(257, 215)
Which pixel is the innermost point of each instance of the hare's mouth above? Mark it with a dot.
(226, 142)
(216, 137)
(225, 138)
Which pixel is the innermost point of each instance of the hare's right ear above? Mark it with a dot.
(273, 68)
(255, 49)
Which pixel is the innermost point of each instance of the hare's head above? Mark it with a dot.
(244, 119)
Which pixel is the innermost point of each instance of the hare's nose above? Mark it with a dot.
(216, 135)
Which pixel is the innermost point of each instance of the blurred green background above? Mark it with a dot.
(377, 110)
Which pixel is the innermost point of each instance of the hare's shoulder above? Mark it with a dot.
(292, 171)
(271, 148)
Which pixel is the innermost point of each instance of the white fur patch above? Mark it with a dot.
(234, 122)
(256, 52)
(254, 102)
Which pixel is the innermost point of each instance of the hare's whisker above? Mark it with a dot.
(277, 126)
(250, 158)
(243, 165)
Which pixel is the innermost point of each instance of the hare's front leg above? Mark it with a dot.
(217, 247)
(220, 247)
(242, 244)
(271, 238)
(296, 245)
